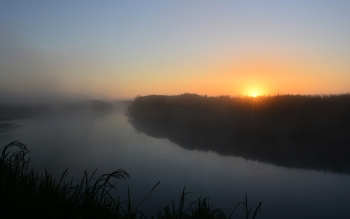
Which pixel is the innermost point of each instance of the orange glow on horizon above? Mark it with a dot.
(251, 74)
(254, 91)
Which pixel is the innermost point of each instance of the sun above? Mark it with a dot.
(254, 91)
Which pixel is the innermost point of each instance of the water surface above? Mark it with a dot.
(107, 141)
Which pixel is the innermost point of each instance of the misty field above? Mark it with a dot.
(310, 132)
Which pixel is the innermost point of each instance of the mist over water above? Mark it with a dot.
(90, 136)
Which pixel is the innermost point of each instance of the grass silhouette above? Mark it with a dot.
(24, 193)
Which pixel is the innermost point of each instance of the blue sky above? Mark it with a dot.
(118, 49)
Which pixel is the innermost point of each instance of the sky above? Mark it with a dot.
(120, 49)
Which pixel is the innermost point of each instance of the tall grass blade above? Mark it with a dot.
(147, 195)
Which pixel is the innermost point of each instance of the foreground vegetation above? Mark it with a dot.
(24, 193)
(296, 131)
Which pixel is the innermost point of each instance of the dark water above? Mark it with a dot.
(107, 141)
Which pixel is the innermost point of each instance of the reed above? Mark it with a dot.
(201, 209)
(24, 193)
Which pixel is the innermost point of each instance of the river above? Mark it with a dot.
(107, 141)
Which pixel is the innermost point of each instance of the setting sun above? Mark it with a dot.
(254, 91)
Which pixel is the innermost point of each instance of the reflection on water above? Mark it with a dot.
(6, 130)
(108, 142)
(283, 153)
(284, 131)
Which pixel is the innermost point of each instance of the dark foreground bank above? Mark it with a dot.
(308, 132)
(24, 193)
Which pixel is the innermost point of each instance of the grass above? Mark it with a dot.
(24, 193)
(201, 209)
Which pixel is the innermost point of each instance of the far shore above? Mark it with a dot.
(308, 132)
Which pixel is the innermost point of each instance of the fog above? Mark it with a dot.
(25, 110)
(84, 137)
(31, 73)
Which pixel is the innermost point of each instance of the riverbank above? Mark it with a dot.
(294, 131)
